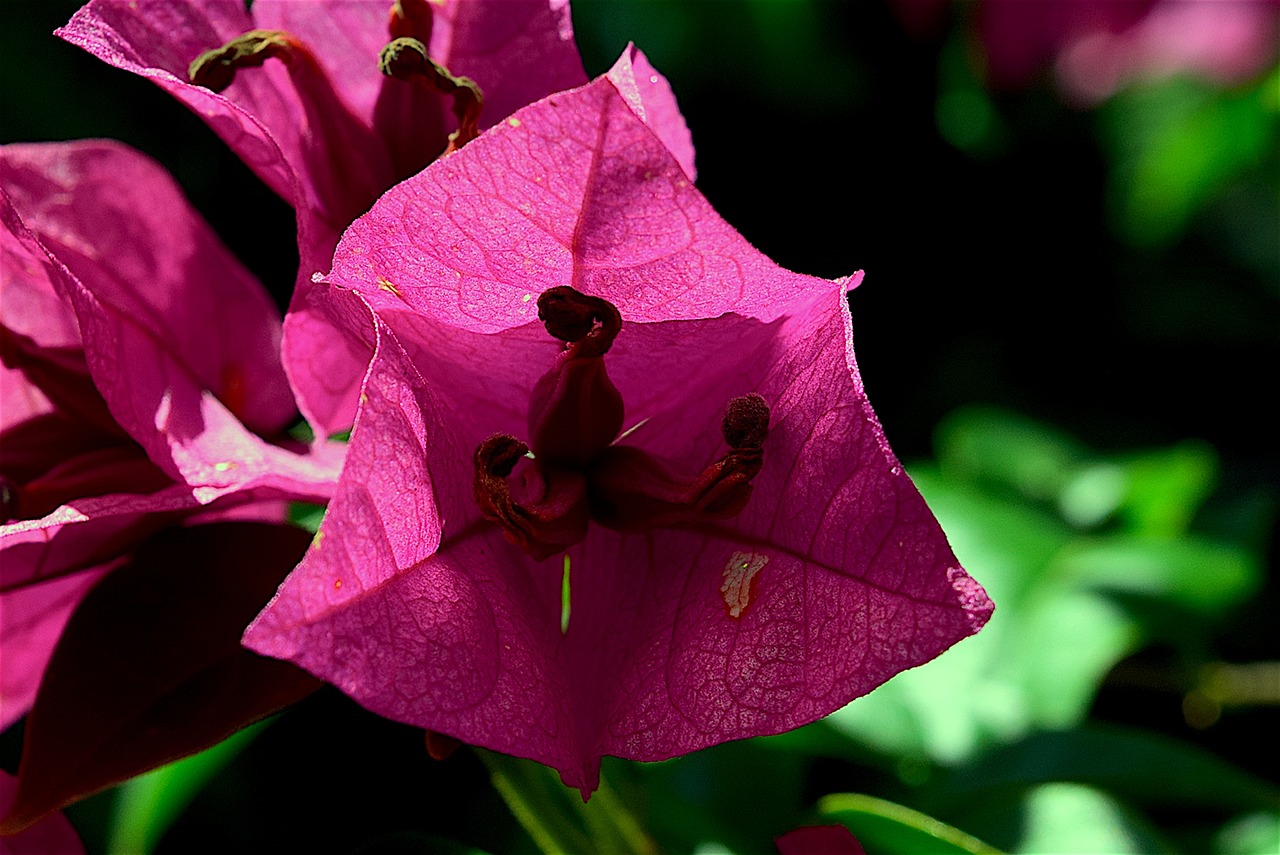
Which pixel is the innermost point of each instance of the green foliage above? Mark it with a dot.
(147, 805)
(1177, 144)
(891, 829)
(1075, 548)
(306, 515)
(1141, 767)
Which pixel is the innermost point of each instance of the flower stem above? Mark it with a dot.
(555, 816)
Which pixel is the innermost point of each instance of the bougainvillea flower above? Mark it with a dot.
(296, 90)
(642, 592)
(141, 386)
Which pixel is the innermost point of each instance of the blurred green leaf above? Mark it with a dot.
(716, 797)
(886, 828)
(964, 112)
(1164, 487)
(1193, 573)
(1067, 642)
(1252, 834)
(1070, 605)
(147, 805)
(1139, 766)
(306, 515)
(997, 447)
(1071, 819)
(1175, 144)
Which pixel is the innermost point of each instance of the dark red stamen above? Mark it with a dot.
(407, 59)
(575, 411)
(548, 513)
(578, 473)
(216, 69)
(633, 491)
(588, 323)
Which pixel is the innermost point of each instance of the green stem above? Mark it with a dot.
(524, 788)
(555, 816)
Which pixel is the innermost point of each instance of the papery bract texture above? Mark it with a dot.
(834, 578)
(142, 386)
(325, 129)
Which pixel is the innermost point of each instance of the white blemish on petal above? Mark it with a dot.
(163, 408)
(513, 122)
(739, 574)
(223, 466)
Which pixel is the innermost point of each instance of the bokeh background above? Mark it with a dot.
(1069, 329)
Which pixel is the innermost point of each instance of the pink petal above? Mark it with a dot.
(120, 224)
(651, 98)
(1021, 38)
(85, 532)
(145, 300)
(51, 836)
(158, 39)
(1225, 41)
(31, 620)
(576, 189)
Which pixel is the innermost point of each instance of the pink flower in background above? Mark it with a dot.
(641, 592)
(1223, 41)
(141, 389)
(1096, 47)
(819, 840)
(301, 100)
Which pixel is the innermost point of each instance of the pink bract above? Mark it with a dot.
(51, 836)
(834, 578)
(329, 137)
(141, 373)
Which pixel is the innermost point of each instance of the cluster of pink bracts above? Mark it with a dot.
(149, 387)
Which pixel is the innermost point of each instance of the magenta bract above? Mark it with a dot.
(51, 836)
(141, 375)
(322, 126)
(833, 578)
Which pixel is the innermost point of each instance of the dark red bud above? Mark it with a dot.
(441, 746)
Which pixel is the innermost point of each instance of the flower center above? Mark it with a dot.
(543, 494)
